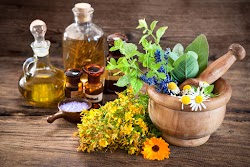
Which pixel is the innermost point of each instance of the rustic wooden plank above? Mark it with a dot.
(31, 141)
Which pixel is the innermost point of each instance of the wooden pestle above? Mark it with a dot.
(216, 69)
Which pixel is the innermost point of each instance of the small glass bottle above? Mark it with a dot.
(41, 83)
(83, 41)
(74, 86)
(110, 79)
(94, 86)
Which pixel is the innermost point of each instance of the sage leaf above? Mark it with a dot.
(179, 49)
(185, 67)
(200, 46)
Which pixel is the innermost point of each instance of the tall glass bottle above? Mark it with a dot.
(41, 83)
(83, 41)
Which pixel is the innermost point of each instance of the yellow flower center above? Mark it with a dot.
(185, 100)
(198, 99)
(172, 86)
(187, 87)
(155, 148)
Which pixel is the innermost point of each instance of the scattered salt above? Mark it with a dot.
(74, 106)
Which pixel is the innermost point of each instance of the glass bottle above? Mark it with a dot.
(110, 79)
(74, 86)
(41, 83)
(83, 41)
(94, 86)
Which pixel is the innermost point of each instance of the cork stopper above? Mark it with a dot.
(83, 12)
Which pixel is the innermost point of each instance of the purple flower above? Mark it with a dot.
(158, 56)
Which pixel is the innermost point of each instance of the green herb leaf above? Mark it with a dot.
(136, 84)
(185, 67)
(160, 32)
(174, 56)
(123, 81)
(178, 48)
(200, 46)
(209, 89)
(152, 25)
(161, 75)
(142, 24)
(112, 61)
(192, 54)
(150, 74)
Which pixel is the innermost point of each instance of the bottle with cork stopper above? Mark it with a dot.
(83, 41)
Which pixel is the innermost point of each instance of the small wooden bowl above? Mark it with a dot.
(73, 117)
(185, 127)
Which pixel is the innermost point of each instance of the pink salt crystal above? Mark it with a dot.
(74, 106)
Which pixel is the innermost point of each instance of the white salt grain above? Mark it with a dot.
(74, 106)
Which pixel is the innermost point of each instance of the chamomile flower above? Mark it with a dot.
(203, 84)
(173, 88)
(185, 100)
(187, 89)
(197, 100)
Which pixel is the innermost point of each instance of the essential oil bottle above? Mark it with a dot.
(83, 41)
(94, 86)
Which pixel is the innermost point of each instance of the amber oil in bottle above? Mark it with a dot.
(94, 86)
(83, 41)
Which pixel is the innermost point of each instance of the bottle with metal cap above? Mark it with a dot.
(41, 83)
(83, 41)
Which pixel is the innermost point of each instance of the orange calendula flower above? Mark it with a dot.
(155, 149)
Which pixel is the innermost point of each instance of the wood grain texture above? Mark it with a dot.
(26, 139)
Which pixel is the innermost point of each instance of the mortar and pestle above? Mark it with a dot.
(70, 109)
(188, 128)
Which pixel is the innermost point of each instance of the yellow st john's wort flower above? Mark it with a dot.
(172, 87)
(155, 149)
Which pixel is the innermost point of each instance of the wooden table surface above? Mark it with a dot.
(26, 139)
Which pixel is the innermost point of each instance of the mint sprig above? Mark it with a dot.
(128, 64)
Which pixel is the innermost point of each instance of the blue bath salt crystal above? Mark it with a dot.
(74, 106)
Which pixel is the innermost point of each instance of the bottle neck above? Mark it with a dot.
(93, 79)
(43, 62)
(83, 18)
(41, 53)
